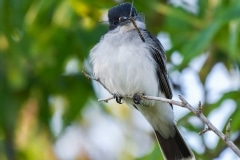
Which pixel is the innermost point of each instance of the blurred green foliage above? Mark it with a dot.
(38, 38)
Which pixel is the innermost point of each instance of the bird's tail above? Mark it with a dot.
(174, 148)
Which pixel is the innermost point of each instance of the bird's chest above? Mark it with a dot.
(126, 70)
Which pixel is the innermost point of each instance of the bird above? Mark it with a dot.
(131, 62)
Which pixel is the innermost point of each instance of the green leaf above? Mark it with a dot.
(201, 40)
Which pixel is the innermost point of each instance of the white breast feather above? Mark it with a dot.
(127, 70)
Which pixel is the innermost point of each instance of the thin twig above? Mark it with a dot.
(211, 126)
(228, 129)
(135, 25)
(199, 108)
(105, 99)
(184, 104)
(204, 131)
(96, 79)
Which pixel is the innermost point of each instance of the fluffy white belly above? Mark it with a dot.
(126, 70)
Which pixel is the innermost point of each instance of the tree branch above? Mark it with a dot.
(184, 104)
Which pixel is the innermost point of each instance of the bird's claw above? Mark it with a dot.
(137, 98)
(118, 98)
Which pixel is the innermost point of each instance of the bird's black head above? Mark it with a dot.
(120, 14)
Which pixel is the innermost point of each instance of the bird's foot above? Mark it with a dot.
(137, 98)
(118, 98)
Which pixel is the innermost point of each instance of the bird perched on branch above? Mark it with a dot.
(130, 61)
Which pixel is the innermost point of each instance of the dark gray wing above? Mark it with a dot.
(158, 54)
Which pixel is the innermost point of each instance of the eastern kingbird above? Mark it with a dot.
(130, 61)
